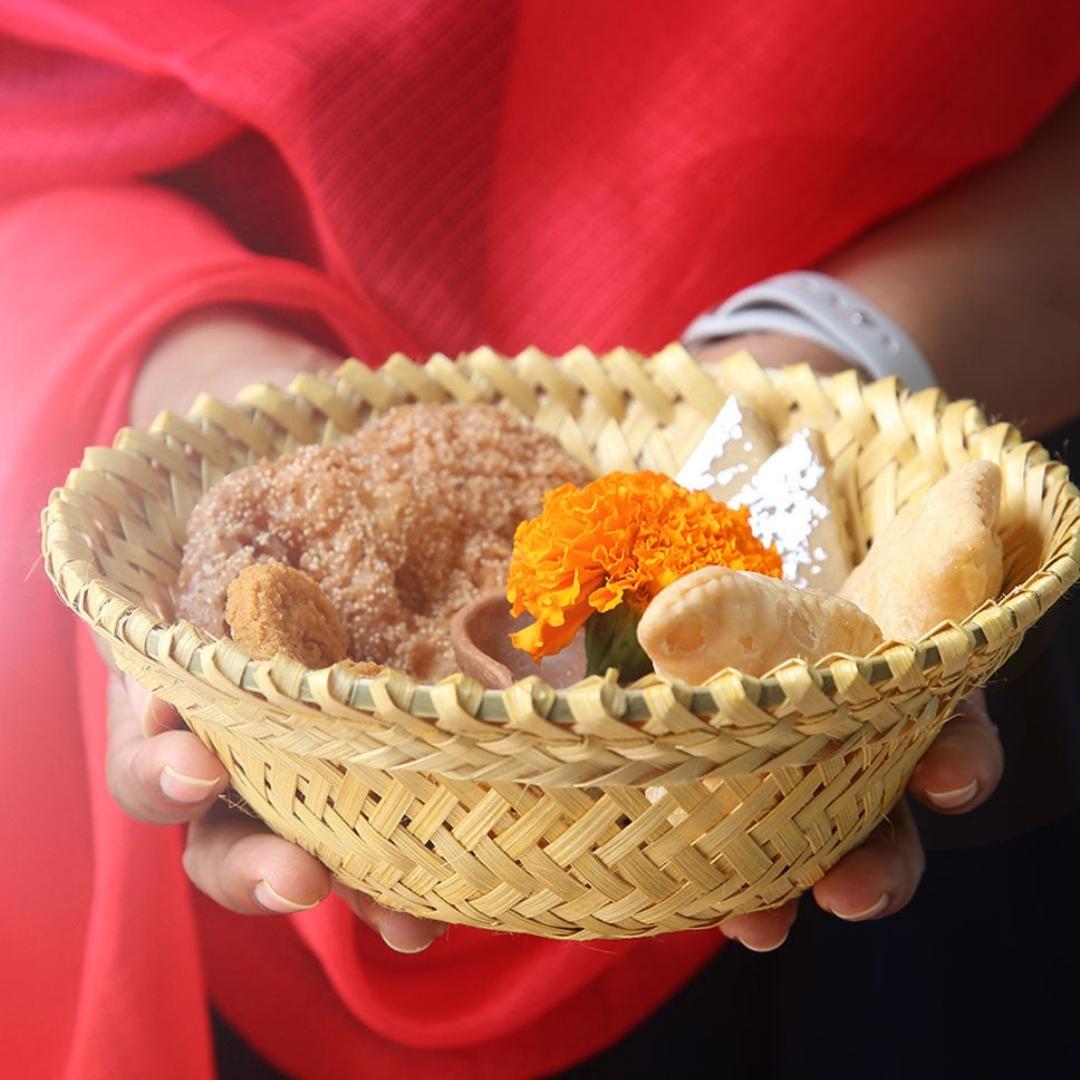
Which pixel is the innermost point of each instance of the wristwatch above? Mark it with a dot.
(821, 309)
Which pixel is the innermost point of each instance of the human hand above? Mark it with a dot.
(958, 773)
(159, 772)
(219, 350)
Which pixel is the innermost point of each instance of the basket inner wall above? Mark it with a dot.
(147, 487)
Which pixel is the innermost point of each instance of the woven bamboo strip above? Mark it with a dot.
(526, 809)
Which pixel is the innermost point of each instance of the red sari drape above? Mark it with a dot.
(425, 176)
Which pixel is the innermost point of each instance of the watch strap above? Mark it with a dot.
(821, 309)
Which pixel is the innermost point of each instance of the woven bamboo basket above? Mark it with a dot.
(525, 809)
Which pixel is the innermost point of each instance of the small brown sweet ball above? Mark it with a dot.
(271, 609)
(399, 525)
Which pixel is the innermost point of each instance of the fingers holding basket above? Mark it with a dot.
(161, 774)
(241, 865)
(161, 778)
(964, 765)
(879, 877)
(244, 867)
(876, 879)
(400, 932)
(762, 931)
(151, 715)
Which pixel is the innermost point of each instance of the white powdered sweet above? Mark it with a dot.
(786, 489)
(791, 507)
(733, 447)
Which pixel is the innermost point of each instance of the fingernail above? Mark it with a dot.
(766, 948)
(408, 951)
(145, 717)
(148, 710)
(268, 897)
(140, 703)
(950, 800)
(185, 789)
(876, 908)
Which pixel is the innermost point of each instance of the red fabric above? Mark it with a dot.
(423, 176)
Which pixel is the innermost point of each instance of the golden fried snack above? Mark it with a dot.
(399, 525)
(937, 560)
(716, 618)
(271, 609)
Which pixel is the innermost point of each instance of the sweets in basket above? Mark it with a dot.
(596, 809)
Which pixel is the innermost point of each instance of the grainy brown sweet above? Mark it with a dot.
(271, 608)
(366, 669)
(400, 524)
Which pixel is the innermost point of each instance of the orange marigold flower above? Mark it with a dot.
(620, 539)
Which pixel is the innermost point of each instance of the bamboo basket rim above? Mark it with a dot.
(949, 645)
(535, 810)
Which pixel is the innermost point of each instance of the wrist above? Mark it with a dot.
(219, 350)
(820, 310)
(774, 350)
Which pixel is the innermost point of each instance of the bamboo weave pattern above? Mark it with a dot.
(525, 809)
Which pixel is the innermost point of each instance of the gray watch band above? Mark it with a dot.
(821, 309)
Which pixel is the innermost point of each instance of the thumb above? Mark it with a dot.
(151, 713)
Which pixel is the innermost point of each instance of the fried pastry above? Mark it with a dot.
(732, 449)
(937, 560)
(716, 618)
(787, 489)
(794, 508)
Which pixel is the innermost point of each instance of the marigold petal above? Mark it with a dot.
(541, 639)
(530, 639)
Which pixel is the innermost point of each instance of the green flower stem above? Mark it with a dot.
(611, 642)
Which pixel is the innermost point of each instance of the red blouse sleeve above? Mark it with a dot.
(88, 276)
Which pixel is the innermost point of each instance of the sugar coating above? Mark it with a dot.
(399, 525)
(793, 508)
(729, 453)
(787, 490)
